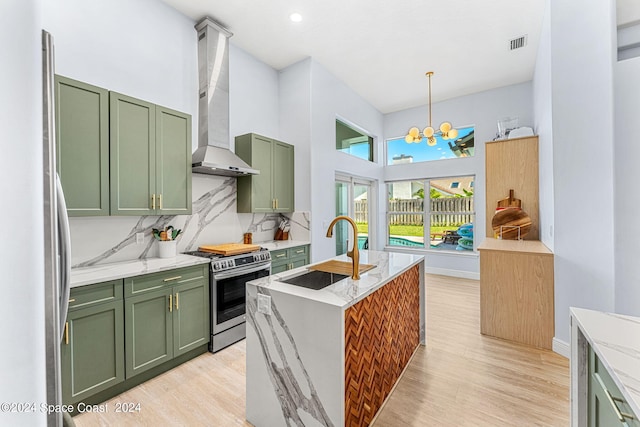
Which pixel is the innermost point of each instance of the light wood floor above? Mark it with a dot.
(460, 378)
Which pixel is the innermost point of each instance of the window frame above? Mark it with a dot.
(426, 215)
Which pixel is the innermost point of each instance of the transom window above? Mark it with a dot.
(399, 151)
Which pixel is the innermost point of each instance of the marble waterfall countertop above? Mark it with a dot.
(347, 292)
(615, 338)
(119, 270)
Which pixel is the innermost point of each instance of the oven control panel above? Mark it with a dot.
(240, 260)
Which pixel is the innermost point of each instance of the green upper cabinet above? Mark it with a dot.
(273, 189)
(173, 162)
(82, 135)
(150, 158)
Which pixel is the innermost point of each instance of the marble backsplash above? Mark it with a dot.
(214, 220)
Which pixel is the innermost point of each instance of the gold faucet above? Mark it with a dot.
(354, 254)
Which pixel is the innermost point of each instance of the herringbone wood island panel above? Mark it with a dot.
(381, 333)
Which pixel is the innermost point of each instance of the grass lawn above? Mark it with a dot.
(405, 230)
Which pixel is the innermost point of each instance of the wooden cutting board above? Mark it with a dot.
(227, 249)
(509, 202)
(511, 217)
(340, 267)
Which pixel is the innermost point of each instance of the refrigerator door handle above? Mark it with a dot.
(64, 242)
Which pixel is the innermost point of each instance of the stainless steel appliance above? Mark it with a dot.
(57, 268)
(228, 276)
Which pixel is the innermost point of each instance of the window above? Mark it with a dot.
(449, 214)
(399, 151)
(354, 142)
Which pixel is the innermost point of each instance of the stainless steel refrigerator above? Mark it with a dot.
(57, 238)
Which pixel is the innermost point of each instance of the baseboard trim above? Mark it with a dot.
(453, 273)
(561, 347)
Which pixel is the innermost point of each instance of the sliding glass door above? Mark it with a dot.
(355, 198)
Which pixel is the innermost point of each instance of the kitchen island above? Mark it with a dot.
(330, 357)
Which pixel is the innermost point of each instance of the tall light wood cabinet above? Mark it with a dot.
(512, 164)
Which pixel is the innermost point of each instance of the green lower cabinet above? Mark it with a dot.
(607, 408)
(149, 331)
(288, 259)
(169, 319)
(92, 350)
(190, 317)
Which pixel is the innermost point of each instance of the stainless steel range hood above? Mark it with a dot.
(213, 155)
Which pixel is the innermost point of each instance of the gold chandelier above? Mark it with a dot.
(446, 131)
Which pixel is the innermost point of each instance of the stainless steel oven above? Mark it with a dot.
(227, 279)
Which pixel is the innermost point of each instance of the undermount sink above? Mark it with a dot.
(315, 279)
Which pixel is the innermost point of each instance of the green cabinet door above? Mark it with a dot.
(149, 330)
(273, 189)
(190, 316)
(255, 193)
(173, 162)
(283, 176)
(92, 351)
(133, 156)
(82, 138)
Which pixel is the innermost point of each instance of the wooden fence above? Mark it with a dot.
(445, 211)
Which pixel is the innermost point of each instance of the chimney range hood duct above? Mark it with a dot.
(213, 155)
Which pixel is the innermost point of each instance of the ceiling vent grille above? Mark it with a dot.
(518, 42)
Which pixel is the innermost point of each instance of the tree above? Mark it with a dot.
(433, 193)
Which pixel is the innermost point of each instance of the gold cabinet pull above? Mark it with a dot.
(276, 203)
(169, 279)
(153, 201)
(170, 303)
(300, 251)
(177, 301)
(273, 203)
(281, 255)
(160, 201)
(72, 300)
(66, 333)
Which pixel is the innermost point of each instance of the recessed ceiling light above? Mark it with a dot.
(295, 17)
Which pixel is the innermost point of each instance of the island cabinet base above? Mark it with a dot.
(331, 357)
(389, 319)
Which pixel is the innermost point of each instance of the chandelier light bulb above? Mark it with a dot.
(453, 133)
(428, 131)
(445, 127)
(408, 139)
(431, 141)
(414, 132)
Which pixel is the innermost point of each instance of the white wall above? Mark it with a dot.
(253, 96)
(22, 358)
(295, 125)
(142, 48)
(582, 54)
(481, 110)
(627, 178)
(311, 99)
(331, 98)
(543, 121)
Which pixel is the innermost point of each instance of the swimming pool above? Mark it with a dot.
(393, 241)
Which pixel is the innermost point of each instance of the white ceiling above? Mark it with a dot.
(382, 48)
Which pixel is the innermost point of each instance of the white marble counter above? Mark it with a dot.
(273, 245)
(119, 270)
(615, 339)
(348, 291)
(295, 361)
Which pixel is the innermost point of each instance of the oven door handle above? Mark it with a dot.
(240, 271)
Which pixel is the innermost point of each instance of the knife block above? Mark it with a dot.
(281, 235)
